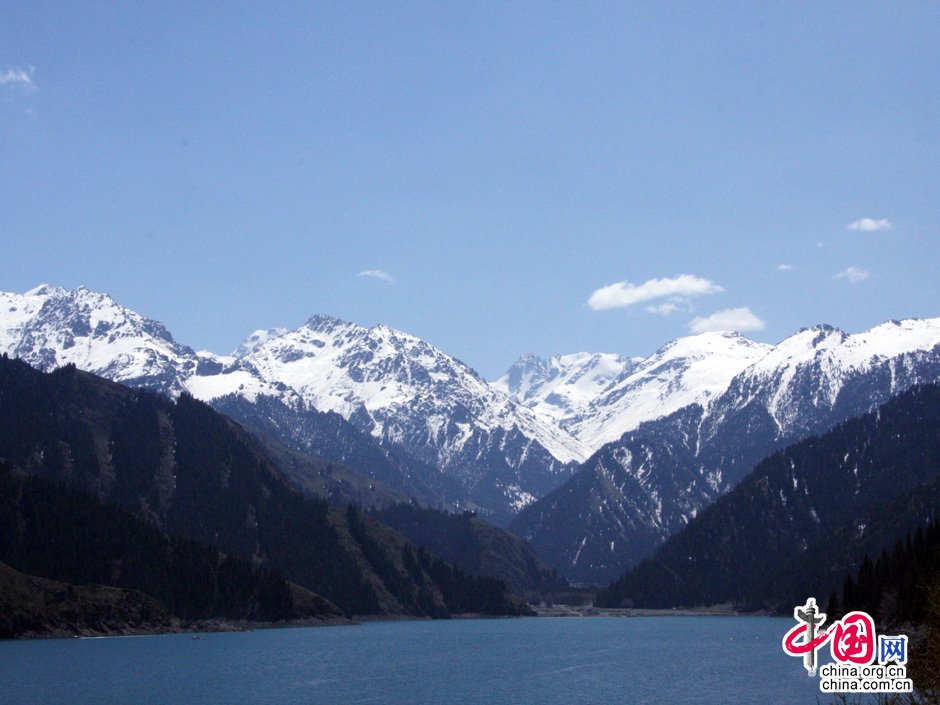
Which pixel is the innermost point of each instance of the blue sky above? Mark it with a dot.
(477, 173)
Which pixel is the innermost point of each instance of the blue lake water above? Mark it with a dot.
(492, 662)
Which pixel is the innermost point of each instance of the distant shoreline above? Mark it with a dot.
(223, 625)
(208, 626)
(590, 611)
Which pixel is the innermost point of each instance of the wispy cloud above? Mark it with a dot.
(18, 77)
(853, 274)
(870, 224)
(626, 294)
(737, 319)
(664, 309)
(378, 274)
(784, 267)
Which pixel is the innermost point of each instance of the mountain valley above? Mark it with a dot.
(596, 459)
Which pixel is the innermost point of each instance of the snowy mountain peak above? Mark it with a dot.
(601, 396)
(324, 323)
(704, 345)
(50, 327)
(805, 374)
(526, 372)
(45, 290)
(836, 350)
(255, 339)
(689, 370)
(562, 388)
(494, 453)
(398, 378)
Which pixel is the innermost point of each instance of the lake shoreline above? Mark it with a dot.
(555, 611)
(207, 626)
(422, 662)
(211, 626)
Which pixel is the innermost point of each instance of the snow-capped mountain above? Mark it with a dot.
(49, 327)
(636, 491)
(406, 393)
(255, 339)
(492, 454)
(821, 371)
(562, 388)
(805, 516)
(691, 370)
(689, 421)
(597, 398)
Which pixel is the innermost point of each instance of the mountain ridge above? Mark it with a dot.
(492, 454)
(620, 394)
(804, 515)
(432, 429)
(193, 473)
(635, 492)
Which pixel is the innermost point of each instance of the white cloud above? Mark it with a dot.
(870, 224)
(784, 267)
(663, 309)
(378, 274)
(18, 77)
(626, 294)
(736, 319)
(853, 274)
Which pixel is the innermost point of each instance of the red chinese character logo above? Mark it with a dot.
(854, 639)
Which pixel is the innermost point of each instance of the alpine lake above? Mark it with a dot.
(542, 661)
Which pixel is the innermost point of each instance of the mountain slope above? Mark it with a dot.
(328, 436)
(39, 518)
(318, 477)
(598, 398)
(410, 395)
(31, 606)
(633, 493)
(435, 429)
(476, 547)
(804, 515)
(192, 472)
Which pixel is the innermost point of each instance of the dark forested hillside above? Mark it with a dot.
(895, 588)
(338, 484)
(31, 606)
(405, 566)
(476, 547)
(56, 532)
(329, 436)
(194, 473)
(804, 516)
(902, 588)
